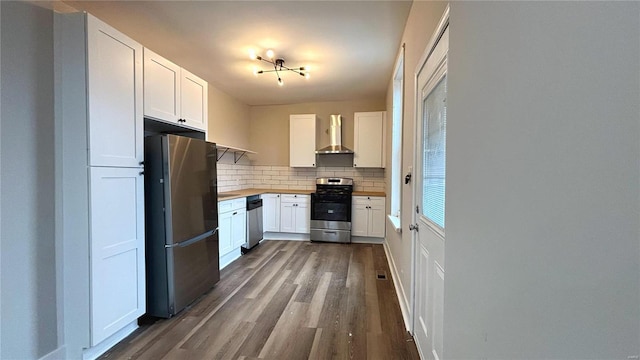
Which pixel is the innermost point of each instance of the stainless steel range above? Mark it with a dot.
(331, 210)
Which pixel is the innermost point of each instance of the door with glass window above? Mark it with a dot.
(429, 200)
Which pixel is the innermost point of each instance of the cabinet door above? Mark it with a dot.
(359, 219)
(161, 88)
(369, 139)
(287, 217)
(225, 226)
(302, 140)
(302, 218)
(193, 92)
(117, 249)
(115, 97)
(377, 221)
(238, 228)
(271, 212)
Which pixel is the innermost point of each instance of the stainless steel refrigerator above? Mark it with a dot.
(181, 219)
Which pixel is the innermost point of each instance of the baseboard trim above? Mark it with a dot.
(366, 240)
(57, 354)
(402, 299)
(285, 236)
(95, 352)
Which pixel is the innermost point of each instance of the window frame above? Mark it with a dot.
(397, 122)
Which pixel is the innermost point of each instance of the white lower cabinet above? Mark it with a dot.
(270, 212)
(232, 224)
(367, 216)
(117, 249)
(295, 213)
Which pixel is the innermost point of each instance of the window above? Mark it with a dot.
(434, 125)
(396, 138)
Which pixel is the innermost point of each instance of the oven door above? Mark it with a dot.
(330, 207)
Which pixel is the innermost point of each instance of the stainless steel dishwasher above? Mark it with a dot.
(254, 222)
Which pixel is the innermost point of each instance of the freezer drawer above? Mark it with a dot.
(338, 236)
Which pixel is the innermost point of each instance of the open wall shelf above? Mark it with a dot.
(238, 153)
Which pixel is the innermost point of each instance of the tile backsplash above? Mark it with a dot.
(238, 177)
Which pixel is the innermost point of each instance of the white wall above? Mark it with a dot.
(421, 24)
(543, 181)
(28, 273)
(228, 120)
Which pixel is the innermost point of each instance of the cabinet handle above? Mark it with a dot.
(235, 213)
(368, 198)
(277, 195)
(354, 165)
(313, 164)
(295, 195)
(141, 173)
(141, 163)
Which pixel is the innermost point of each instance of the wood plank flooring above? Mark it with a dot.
(286, 300)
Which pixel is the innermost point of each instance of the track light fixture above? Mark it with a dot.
(278, 66)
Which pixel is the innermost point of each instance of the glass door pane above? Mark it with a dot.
(433, 152)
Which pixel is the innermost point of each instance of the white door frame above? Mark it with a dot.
(433, 41)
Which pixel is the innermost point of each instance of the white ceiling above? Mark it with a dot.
(350, 46)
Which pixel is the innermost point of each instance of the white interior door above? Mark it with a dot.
(429, 196)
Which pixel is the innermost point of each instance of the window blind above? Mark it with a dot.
(434, 154)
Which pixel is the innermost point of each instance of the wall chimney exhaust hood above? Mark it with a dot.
(335, 132)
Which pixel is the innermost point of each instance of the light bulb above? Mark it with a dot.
(280, 82)
(306, 75)
(252, 54)
(270, 54)
(255, 70)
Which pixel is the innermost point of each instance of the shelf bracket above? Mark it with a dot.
(224, 152)
(237, 158)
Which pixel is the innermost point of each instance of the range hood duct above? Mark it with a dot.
(335, 132)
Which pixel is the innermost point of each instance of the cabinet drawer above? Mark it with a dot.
(229, 205)
(295, 198)
(368, 200)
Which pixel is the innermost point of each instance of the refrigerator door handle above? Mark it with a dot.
(193, 240)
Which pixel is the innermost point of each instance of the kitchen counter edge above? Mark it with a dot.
(235, 194)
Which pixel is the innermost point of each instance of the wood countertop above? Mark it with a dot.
(369, 193)
(230, 195)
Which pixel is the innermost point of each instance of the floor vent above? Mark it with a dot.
(381, 275)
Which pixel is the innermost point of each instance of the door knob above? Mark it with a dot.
(413, 227)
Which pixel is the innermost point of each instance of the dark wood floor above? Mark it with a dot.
(286, 300)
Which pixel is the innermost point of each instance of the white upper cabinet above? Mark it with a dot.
(173, 94)
(115, 97)
(161, 87)
(369, 133)
(302, 140)
(193, 100)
